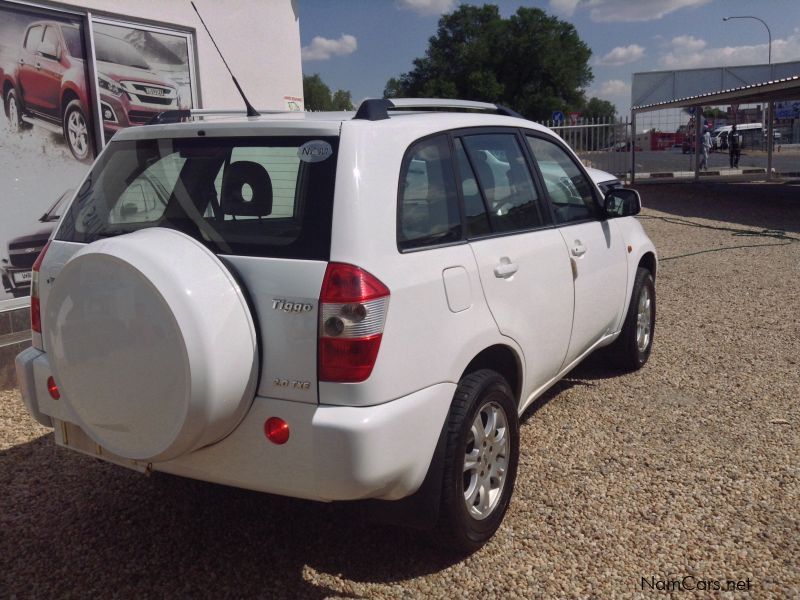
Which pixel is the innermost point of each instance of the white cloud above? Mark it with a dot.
(426, 8)
(616, 91)
(623, 11)
(686, 52)
(687, 44)
(323, 48)
(613, 88)
(564, 7)
(622, 55)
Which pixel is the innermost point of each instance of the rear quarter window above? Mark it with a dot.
(428, 213)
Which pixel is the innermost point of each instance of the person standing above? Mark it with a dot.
(706, 150)
(734, 147)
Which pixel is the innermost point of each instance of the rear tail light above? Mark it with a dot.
(353, 306)
(36, 315)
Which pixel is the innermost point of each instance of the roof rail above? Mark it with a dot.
(176, 116)
(377, 109)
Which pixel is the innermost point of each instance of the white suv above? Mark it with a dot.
(333, 306)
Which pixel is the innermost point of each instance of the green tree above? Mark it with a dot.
(532, 62)
(342, 100)
(317, 95)
(714, 113)
(599, 109)
(393, 89)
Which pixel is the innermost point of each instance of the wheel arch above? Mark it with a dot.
(67, 96)
(8, 85)
(648, 261)
(503, 359)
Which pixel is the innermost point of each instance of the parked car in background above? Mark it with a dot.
(48, 86)
(753, 135)
(605, 181)
(15, 271)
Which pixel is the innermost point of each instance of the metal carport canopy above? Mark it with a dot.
(768, 91)
(780, 89)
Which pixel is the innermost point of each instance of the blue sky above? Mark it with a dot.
(358, 45)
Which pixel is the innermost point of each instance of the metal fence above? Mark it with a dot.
(665, 146)
(602, 143)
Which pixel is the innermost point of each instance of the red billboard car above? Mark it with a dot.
(48, 85)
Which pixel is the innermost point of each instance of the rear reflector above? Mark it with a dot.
(353, 307)
(276, 430)
(52, 388)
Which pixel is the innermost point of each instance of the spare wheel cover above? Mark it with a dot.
(152, 344)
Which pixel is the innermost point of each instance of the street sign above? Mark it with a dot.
(574, 116)
(558, 115)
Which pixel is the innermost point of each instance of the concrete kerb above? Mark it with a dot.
(744, 174)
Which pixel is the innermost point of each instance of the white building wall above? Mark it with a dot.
(259, 38)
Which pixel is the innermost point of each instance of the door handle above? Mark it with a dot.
(505, 269)
(578, 249)
(21, 61)
(38, 66)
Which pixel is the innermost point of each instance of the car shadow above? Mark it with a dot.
(593, 368)
(774, 206)
(72, 524)
(108, 528)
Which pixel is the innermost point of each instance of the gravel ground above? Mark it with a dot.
(688, 467)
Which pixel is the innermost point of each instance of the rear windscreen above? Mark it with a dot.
(270, 196)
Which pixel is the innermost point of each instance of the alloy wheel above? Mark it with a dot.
(644, 317)
(486, 460)
(78, 134)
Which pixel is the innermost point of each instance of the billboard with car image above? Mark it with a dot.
(55, 119)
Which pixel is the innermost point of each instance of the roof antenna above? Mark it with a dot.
(251, 112)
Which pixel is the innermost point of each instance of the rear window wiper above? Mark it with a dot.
(113, 232)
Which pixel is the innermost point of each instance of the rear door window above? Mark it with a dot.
(245, 196)
(505, 180)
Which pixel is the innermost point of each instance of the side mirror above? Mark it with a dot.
(622, 202)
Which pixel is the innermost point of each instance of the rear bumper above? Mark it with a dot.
(31, 366)
(333, 452)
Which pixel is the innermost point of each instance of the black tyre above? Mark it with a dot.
(14, 112)
(631, 349)
(76, 132)
(480, 466)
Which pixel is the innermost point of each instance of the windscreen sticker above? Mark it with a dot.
(314, 151)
